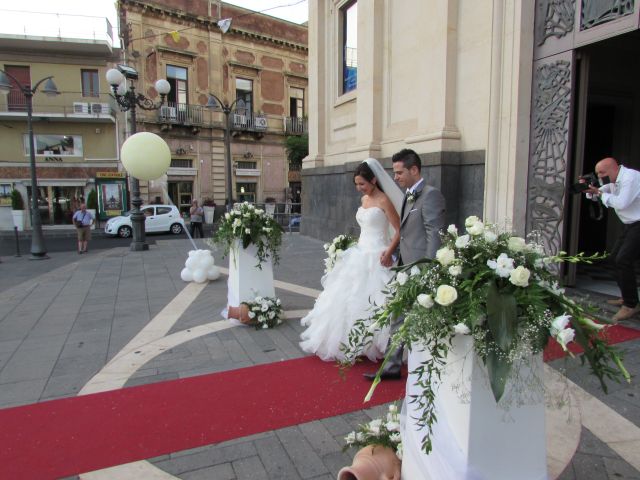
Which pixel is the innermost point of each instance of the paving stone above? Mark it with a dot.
(275, 459)
(250, 469)
(224, 471)
(319, 438)
(308, 463)
(21, 393)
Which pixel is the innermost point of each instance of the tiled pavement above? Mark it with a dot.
(59, 328)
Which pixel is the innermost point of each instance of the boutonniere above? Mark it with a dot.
(411, 197)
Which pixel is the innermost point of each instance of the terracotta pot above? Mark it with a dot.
(373, 462)
(240, 313)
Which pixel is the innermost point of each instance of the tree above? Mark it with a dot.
(297, 148)
(16, 200)
(92, 200)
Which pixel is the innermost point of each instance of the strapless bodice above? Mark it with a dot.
(374, 228)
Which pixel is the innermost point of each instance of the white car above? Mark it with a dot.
(158, 218)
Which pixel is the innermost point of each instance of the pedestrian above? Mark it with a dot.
(620, 190)
(83, 220)
(196, 213)
(421, 219)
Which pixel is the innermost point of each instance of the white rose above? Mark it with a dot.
(252, 315)
(559, 323)
(425, 300)
(502, 265)
(455, 270)
(476, 229)
(490, 236)
(264, 307)
(452, 229)
(462, 241)
(446, 295)
(227, 216)
(516, 244)
(399, 451)
(520, 276)
(247, 231)
(349, 439)
(402, 278)
(565, 336)
(414, 270)
(374, 426)
(472, 220)
(237, 222)
(395, 437)
(393, 426)
(265, 326)
(445, 256)
(393, 408)
(332, 249)
(461, 329)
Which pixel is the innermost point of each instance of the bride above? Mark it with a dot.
(360, 275)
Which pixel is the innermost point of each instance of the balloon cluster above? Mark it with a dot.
(199, 267)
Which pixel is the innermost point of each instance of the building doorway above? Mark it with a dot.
(181, 194)
(610, 114)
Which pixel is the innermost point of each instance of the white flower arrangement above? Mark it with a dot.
(335, 249)
(495, 287)
(250, 225)
(380, 431)
(264, 312)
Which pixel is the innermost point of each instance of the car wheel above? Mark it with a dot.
(176, 229)
(124, 231)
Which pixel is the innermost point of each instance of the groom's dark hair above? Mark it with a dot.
(408, 157)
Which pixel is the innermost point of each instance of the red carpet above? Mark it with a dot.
(69, 436)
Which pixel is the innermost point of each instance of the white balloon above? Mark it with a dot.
(200, 275)
(145, 156)
(186, 275)
(213, 273)
(192, 252)
(192, 263)
(207, 262)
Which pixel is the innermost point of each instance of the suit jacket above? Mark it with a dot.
(421, 224)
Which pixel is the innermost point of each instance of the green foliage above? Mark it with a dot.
(250, 225)
(500, 290)
(16, 200)
(92, 200)
(297, 147)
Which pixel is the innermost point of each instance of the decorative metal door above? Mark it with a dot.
(560, 27)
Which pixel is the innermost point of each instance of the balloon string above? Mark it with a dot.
(186, 230)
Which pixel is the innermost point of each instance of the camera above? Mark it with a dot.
(588, 180)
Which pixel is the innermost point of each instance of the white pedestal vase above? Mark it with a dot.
(246, 280)
(19, 219)
(93, 212)
(474, 438)
(208, 214)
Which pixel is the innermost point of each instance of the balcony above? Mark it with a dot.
(66, 107)
(181, 114)
(248, 122)
(295, 125)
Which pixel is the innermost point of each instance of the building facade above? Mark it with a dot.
(258, 68)
(506, 102)
(74, 132)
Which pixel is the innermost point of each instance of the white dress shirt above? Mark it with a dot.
(623, 195)
(412, 189)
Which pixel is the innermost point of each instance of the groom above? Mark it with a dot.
(421, 219)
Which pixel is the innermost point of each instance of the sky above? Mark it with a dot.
(12, 17)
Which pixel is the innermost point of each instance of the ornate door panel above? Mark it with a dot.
(550, 147)
(600, 19)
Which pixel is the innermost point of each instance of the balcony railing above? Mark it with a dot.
(182, 114)
(249, 122)
(68, 105)
(295, 125)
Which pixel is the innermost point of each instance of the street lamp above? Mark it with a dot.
(129, 100)
(217, 104)
(38, 250)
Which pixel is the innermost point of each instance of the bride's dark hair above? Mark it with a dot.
(364, 170)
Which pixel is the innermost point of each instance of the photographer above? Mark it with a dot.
(620, 190)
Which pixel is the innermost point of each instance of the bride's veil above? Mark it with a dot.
(386, 182)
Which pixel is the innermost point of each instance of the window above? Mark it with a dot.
(247, 165)
(181, 163)
(246, 192)
(177, 78)
(16, 101)
(349, 44)
(55, 145)
(163, 210)
(5, 194)
(90, 85)
(296, 102)
(244, 94)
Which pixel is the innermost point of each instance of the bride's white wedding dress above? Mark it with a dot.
(350, 289)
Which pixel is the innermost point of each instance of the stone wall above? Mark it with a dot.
(330, 200)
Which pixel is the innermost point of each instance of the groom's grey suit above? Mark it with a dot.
(420, 227)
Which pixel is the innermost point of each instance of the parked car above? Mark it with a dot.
(158, 218)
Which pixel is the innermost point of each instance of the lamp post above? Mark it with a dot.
(38, 249)
(215, 103)
(129, 100)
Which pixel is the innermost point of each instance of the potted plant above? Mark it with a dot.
(209, 207)
(17, 210)
(92, 206)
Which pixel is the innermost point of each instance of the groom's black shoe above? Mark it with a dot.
(383, 376)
